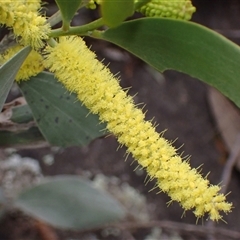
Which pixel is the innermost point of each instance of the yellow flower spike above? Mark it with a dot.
(7, 16)
(24, 18)
(87, 79)
(32, 65)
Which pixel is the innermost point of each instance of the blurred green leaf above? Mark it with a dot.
(62, 119)
(183, 46)
(8, 72)
(69, 202)
(68, 9)
(115, 12)
(31, 136)
(21, 114)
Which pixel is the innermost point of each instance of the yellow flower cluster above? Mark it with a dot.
(27, 24)
(176, 9)
(78, 69)
(32, 65)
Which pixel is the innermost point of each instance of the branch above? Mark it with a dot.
(180, 227)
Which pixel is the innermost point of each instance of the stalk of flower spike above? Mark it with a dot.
(177, 9)
(32, 65)
(77, 68)
(27, 24)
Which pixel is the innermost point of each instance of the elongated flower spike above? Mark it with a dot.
(177, 9)
(23, 17)
(77, 68)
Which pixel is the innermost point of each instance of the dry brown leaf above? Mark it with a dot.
(227, 117)
(6, 114)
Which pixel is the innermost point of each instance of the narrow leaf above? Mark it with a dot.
(115, 12)
(69, 202)
(183, 46)
(62, 119)
(8, 72)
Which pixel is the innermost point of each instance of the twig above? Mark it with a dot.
(180, 227)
